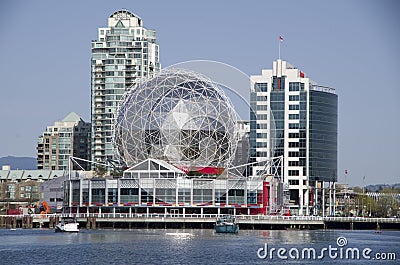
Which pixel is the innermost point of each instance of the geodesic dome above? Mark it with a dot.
(177, 116)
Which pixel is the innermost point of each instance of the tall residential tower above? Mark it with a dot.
(69, 137)
(295, 118)
(124, 52)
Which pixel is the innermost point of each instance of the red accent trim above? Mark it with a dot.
(279, 84)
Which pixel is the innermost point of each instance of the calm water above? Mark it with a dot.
(182, 246)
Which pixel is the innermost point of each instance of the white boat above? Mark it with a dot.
(226, 224)
(67, 225)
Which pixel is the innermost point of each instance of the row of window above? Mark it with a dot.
(296, 86)
(261, 87)
(301, 153)
(278, 83)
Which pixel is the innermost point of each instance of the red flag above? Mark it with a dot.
(302, 74)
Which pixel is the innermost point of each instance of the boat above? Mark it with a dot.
(378, 229)
(67, 225)
(226, 224)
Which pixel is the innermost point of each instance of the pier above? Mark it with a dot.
(206, 221)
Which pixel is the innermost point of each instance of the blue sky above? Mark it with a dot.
(349, 45)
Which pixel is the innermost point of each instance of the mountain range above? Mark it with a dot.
(26, 163)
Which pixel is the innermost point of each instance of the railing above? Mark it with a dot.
(362, 219)
(210, 216)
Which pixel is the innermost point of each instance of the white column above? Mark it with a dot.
(323, 199)
(301, 201)
(334, 199)
(315, 197)
(330, 198)
(307, 200)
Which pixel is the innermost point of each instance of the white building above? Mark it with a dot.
(124, 52)
(295, 118)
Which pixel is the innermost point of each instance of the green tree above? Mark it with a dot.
(116, 172)
(100, 171)
(368, 206)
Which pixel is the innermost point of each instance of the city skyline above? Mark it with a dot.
(46, 63)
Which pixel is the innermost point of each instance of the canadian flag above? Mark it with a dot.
(280, 38)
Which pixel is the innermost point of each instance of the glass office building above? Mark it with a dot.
(292, 116)
(124, 52)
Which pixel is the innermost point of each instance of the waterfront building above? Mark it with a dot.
(124, 52)
(294, 117)
(68, 137)
(177, 133)
(22, 188)
(156, 187)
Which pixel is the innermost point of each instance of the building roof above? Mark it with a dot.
(72, 117)
(156, 165)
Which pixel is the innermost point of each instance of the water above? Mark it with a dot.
(182, 246)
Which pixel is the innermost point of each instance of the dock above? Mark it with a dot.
(201, 221)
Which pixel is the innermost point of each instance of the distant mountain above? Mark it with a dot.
(19, 162)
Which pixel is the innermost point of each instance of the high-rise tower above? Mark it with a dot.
(295, 118)
(124, 52)
(69, 137)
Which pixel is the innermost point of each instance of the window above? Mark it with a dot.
(294, 116)
(293, 181)
(293, 154)
(262, 116)
(293, 144)
(261, 144)
(294, 173)
(262, 126)
(294, 98)
(261, 154)
(278, 83)
(262, 107)
(293, 163)
(294, 107)
(261, 87)
(293, 125)
(294, 86)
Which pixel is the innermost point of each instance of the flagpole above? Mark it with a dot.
(279, 49)
(280, 39)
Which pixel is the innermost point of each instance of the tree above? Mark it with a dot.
(368, 206)
(100, 171)
(116, 172)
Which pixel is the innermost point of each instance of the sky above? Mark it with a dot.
(352, 46)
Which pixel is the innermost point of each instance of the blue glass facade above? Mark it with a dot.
(323, 136)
